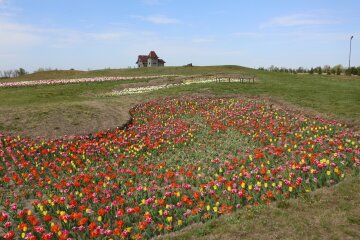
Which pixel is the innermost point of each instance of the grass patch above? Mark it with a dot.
(68, 74)
(335, 96)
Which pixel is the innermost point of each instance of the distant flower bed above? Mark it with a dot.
(137, 90)
(77, 80)
(158, 175)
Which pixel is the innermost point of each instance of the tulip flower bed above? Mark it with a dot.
(76, 80)
(180, 161)
(137, 90)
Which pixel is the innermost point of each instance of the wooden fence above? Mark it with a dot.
(234, 77)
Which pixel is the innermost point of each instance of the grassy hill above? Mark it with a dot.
(67, 74)
(77, 108)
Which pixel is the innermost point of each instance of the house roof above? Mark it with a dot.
(142, 58)
(152, 54)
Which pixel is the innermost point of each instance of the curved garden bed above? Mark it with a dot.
(180, 161)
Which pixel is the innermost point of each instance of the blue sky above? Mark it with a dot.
(94, 34)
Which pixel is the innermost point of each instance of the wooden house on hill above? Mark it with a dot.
(150, 60)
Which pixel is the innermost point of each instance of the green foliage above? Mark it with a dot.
(320, 71)
(21, 72)
(337, 69)
(354, 71)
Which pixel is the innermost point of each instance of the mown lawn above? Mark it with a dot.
(54, 110)
(67, 74)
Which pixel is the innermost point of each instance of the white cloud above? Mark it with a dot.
(6, 8)
(64, 38)
(19, 39)
(297, 20)
(69, 38)
(18, 35)
(297, 35)
(157, 19)
(10, 26)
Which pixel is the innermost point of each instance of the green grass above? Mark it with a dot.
(67, 74)
(338, 96)
(23, 107)
(34, 95)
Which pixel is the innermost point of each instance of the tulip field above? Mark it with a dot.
(74, 81)
(179, 161)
